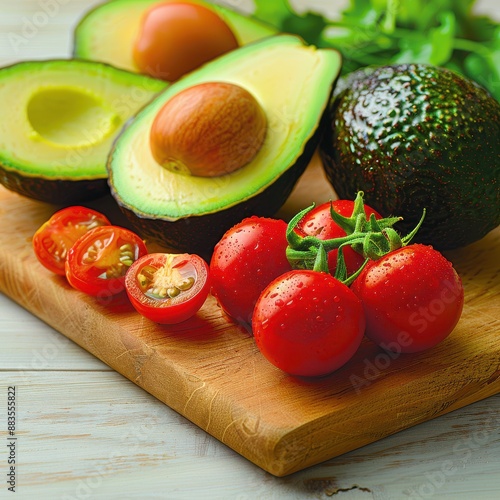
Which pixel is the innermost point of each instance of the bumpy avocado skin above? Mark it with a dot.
(415, 136)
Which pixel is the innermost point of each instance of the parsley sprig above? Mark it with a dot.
(376, 32)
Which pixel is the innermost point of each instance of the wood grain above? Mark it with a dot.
(209, 370)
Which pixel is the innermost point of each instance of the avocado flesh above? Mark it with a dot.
(413, 137)
(63, 118)
(294, 107)
(109, 31)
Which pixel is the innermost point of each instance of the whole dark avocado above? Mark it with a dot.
(415, 136)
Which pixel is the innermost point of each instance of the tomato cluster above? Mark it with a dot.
(347, 274)
(309, 290)
(103, 260)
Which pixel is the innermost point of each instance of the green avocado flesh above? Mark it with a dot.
(415, 136)
(108, 32)
(293, 84)
(63, 116)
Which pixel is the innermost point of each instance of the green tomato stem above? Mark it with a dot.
(372, 238)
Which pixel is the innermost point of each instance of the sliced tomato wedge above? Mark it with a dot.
(99, 260)
(168, 288)
(53, 239)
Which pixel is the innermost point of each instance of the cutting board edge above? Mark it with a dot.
(279, 457)
(20, 274)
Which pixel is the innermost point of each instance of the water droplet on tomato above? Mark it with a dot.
(280, 303)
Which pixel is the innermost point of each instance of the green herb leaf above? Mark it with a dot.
(377, 32)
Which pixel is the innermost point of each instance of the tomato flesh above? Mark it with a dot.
(53, 239)
(168, 288)
(246, 259)
(308, 323)
(98, 261)
(413, 298)
(177, 37)
(318, 222)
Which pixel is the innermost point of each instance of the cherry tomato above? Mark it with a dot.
(54, 238)
(412, 298)
(307, 323)
(98, 261)
(177, 37)
(168, 288)
(246, 259)
(318, 222)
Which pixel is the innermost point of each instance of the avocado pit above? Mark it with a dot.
(208, 130)
(178, 37)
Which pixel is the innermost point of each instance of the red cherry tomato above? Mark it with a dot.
(177, 37)
(318, 222)
(246, 259)
(308, 323)
(98, 261)
(412, 298)
(54, 238)
(168, 288)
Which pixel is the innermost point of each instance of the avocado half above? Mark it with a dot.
(415, 136)
(293, 84)
(61, 119)
(108, 32)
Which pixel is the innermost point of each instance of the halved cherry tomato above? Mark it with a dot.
(308, 323)
(318, 222)
(54, 238)
(168, 288)
(98, 261)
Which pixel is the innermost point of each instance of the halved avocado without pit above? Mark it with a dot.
(108, 32)
(292, 82)
(60, 120)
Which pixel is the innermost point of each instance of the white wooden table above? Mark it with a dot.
(84, 431)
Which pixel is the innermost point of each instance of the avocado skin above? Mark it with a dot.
(54, 191)
(199, 234)
(413, 136)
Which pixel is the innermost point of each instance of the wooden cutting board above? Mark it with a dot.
(210, 371)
